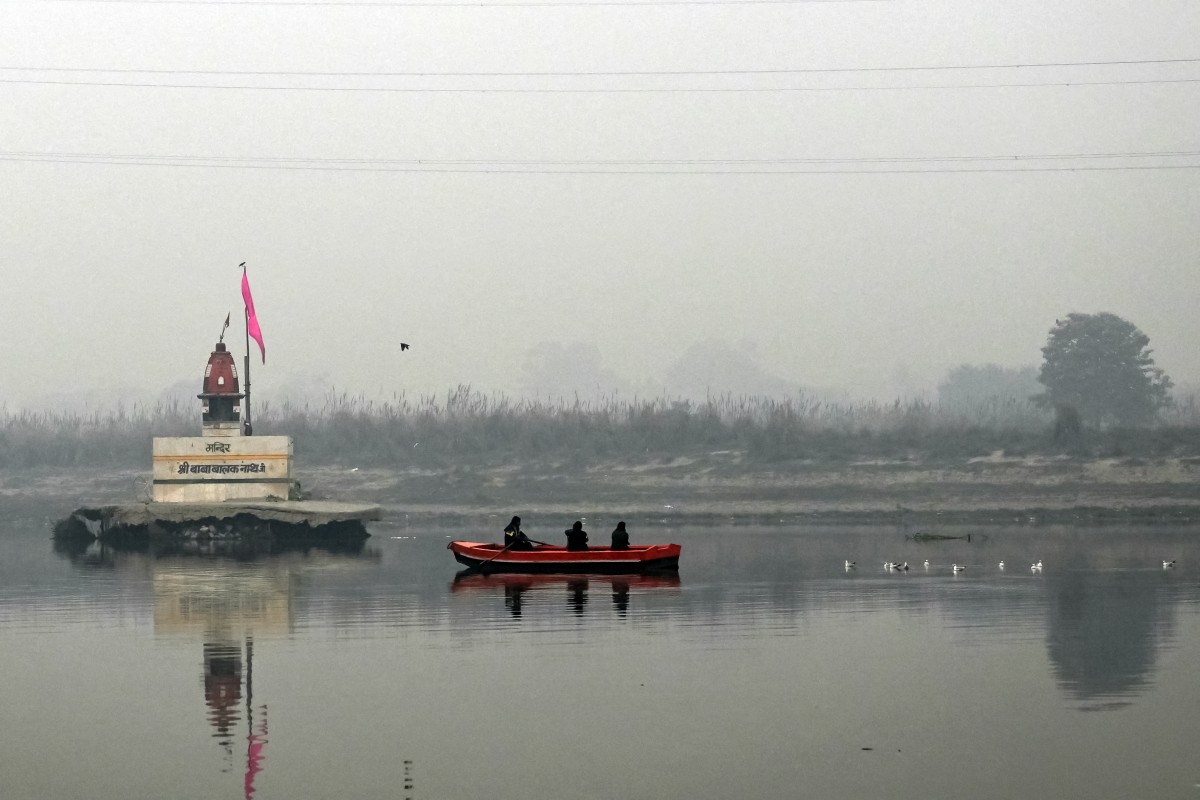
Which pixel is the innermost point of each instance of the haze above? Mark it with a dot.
(503, 232)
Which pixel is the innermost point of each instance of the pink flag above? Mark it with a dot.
(252, 328)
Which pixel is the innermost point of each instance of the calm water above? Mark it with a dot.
(766, 670)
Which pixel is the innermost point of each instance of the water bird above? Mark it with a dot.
(1168, 564)
(957, 568)
(927, 563)
(1036, 567)
(850, 564)
(1001, 565)
(904, 566)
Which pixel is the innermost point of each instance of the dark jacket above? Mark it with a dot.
(515, 538)
(576, 537)
(620, 537)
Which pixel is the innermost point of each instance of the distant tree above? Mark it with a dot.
(1100, 366)
(971, 385)
(712, 367)
(557, 371)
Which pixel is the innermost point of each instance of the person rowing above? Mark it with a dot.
(515, 538)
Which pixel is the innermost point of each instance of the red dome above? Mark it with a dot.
(220, 376)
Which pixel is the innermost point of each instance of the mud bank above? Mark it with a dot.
(994, 491)
(725, 486)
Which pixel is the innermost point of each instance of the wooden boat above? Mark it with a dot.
(489, 557)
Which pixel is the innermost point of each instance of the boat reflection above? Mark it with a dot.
(515, 586)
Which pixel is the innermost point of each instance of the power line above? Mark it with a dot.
(602, 90)
(1132, 154)
(611, 73)
(454, 4)
(626, 167)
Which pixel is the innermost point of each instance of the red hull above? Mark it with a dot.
(548, 559)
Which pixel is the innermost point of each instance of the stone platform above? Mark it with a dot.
(235, 518)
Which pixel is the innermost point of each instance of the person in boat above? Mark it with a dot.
(576, 537)
(620, 537)
(515, 538)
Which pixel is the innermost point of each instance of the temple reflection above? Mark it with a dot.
(225, 604)
(223, 688)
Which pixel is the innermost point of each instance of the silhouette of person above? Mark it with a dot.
(576, 537)
(512, 599)
(515, 538)
(577, 594)
(620, 596)
(620, 537)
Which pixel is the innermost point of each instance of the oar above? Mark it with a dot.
(482, 564)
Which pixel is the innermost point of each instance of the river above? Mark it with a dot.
(766, 669)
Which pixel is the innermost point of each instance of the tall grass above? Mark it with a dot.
(468, 427)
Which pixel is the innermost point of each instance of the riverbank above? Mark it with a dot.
(724, 486)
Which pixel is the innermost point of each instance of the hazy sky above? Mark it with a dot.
(373, 209)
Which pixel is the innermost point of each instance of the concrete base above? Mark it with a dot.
(283, 518)
(206, 469)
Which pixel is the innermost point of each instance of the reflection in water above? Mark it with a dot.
(256, 735)
(223, 688)
(577, 594)
(765, 614)
(223, 694)
(93, 553)
(226, 603)
(620, 596)
(1104, 632)
(515, 586)
(1105, 619)
(512, 599)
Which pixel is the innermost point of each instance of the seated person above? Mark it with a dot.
(515, 538)
(620, 537)
(576, 537)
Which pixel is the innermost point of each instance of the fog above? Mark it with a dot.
(778, 207)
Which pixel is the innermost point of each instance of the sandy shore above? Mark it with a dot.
(724, 485)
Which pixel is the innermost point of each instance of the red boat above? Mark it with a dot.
(488, 557)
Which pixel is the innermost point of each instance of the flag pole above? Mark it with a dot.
(247, 425)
